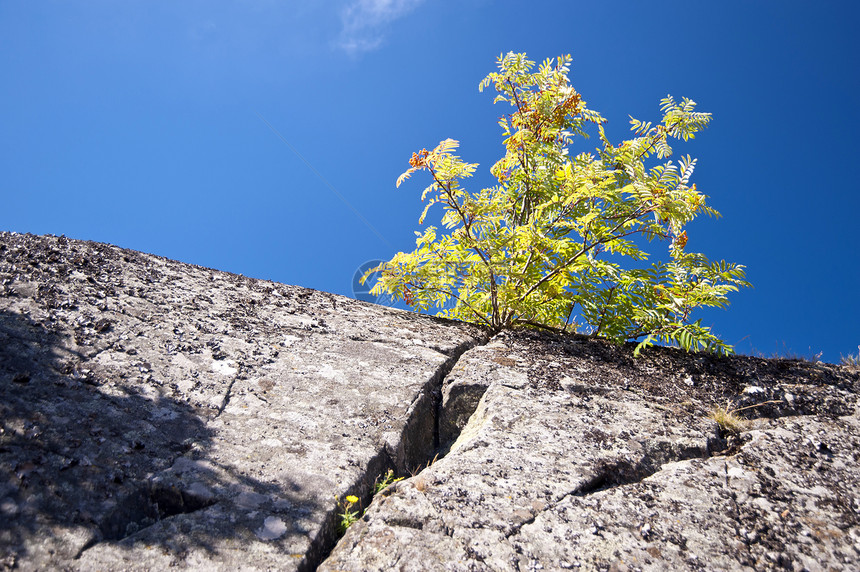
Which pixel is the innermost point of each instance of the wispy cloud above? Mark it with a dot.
(365, 22)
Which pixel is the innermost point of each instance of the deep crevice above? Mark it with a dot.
(437, 382)
(329, 533)
(411, 453)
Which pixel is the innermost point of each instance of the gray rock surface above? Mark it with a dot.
(579, 457)
(155, 414)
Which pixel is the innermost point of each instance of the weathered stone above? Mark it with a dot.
(579, 457)
(156, 413)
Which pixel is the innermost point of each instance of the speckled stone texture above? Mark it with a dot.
(580, 457)
(157, 414)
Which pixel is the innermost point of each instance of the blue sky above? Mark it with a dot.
(151, 124)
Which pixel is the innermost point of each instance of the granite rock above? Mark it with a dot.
(580, 457)
(156, 413)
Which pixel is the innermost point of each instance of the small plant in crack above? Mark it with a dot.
(347, 515)
(419, 468)
(727, 419)
(386, 481)
(730, 421)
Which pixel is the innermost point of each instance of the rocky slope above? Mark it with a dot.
(155, 414)
(581, 457)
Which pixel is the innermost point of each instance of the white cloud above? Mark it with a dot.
(365, 22)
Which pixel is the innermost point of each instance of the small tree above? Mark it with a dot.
(543, 247)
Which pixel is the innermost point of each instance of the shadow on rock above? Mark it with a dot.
(85, 459)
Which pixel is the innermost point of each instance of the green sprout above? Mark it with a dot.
(386, 481)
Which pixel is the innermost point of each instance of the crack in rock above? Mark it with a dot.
(616, 473)
(112, 362)
(146, 506)
(539, 443)
(411, 450)
(226, 400)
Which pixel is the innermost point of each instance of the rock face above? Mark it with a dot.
(581, 457)
(157, 414)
